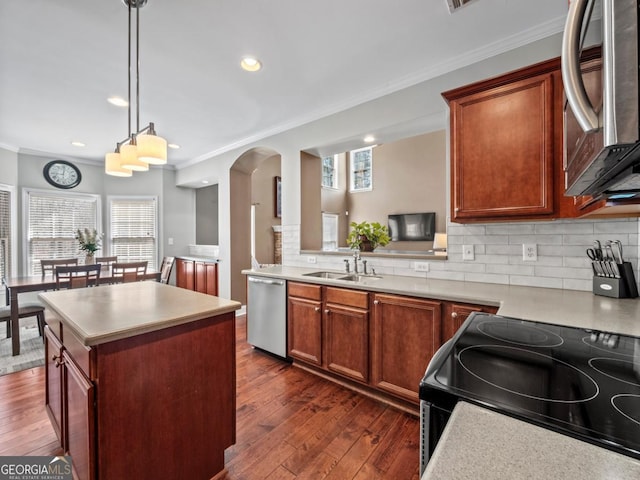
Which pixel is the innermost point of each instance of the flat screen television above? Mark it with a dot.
(417, 227)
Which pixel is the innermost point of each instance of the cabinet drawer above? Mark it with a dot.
(80, 354)
(352, 298)
(305, 290)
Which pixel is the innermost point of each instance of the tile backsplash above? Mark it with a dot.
(498, 253)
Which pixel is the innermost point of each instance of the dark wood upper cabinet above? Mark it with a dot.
(506, 147)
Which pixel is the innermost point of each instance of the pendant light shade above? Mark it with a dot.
(112, 166)
(130, 160)
(152, 149)
(142, 147)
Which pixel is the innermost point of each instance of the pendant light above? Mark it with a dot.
(143, 147)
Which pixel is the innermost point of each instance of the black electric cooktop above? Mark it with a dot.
(579, 382)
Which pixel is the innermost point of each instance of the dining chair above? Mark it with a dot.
(106, 262)
(49, 266)
(32, 309)
(165, 269)
(77, 276)
(128, 272)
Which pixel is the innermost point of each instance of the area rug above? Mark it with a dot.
(31, 349)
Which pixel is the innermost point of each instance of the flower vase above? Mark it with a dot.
(89, 259)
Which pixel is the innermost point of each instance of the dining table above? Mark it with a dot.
(17, 285)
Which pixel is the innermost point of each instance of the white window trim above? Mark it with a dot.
(25, 215)
(336, 171)
(107, 235)
(351, 176)
(14, 227)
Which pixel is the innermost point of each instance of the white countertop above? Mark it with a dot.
(111, 312)
(548, 305)
(480, 444)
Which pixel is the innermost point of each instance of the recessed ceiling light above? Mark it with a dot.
(369, 138)
(205, 181)
(118, 101)
(78, 144)
(250, 64)
(175, 146)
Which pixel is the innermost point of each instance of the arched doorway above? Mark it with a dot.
(252, 188)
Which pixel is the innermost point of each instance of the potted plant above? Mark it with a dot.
(367, 236)
(89, 241)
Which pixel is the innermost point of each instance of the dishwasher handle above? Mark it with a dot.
(265, 281)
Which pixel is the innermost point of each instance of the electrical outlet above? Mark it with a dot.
(311, 259)
(170, 241)
(468, 252)
(421, 266)
(530, 252)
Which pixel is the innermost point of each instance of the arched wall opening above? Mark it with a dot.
(252, 183)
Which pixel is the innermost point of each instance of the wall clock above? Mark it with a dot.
(62, 174)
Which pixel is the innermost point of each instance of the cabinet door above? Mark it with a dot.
(502, 151)
(80, 421)
(405, 335)
(185, 274)
(455, 315)
(53, 379)
(304, 319)
(206, 278)
(347, 341)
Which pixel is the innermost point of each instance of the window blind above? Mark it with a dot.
(134, 229)
(53, 222)
(5, 233)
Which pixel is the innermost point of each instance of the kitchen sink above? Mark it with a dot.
(325, 274)
(354, 277)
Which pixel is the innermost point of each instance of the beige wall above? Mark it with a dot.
(409, 176)
(263, 197)
(311, 208)
(240, 248)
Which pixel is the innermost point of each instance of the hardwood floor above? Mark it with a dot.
(290, 425)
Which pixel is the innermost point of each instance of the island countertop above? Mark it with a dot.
(112, 312)
(546, 305)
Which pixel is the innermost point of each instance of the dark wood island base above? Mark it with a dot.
(159, 404)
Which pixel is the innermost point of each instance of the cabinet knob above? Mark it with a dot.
(57, 361)
(376, 302)
(454, 314)
(317, 309)
(327, 311)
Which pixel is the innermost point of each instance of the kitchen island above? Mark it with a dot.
(141, 380)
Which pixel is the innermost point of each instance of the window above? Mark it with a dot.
(361, 169)
(329, 231)
(134, 229)
(53, 219)
(5, 231)
(330, 171)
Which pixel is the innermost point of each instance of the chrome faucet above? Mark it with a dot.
(346, 265)
(356, 257)
(364, 267)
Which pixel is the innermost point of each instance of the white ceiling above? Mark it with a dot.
(61, 59)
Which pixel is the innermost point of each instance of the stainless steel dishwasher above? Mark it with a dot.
(267, 314)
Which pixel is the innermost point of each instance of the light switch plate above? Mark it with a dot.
(468, 252)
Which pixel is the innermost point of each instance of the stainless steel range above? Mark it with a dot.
(575, 381)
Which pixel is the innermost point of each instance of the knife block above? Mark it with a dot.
(623, 287)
